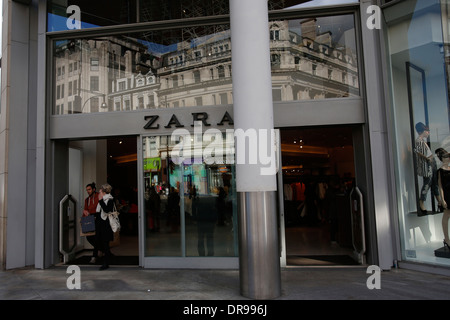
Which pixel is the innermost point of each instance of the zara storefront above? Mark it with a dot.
(156, 77)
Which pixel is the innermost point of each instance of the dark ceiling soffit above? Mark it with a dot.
(25, 2)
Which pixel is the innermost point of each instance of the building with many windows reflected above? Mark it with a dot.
(123, 74)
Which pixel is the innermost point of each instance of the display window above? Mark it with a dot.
(417, 43)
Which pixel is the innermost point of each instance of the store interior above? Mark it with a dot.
(318, 173)
(122, 175)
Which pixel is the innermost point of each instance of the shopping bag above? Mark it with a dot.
(114, 221)
(87, 225)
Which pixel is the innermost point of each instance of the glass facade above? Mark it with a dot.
(190, 201)
(151, 70)
(189, 206)
(417, 44)
(314, 58)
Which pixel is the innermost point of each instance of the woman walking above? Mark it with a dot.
(104, 232)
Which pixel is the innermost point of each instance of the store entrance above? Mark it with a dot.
(122, 175)
(113, 161)
(318, 171)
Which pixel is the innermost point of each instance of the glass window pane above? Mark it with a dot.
(314, 58)
(162, 180)
(210, 198)
(154, 69)
(194, 195)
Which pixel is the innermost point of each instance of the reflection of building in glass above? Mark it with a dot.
(121, 74)
(310, 65)
(198, 73)
(87, 71)
(134, 92)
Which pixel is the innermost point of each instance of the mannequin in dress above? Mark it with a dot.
(444, 189)
(426, 167)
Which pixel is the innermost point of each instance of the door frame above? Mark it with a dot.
(361, 180)
(280, 213)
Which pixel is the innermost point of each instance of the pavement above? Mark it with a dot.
(298, 283)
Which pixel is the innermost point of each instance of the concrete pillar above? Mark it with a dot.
(259, 256)
(381, 159)
(17, 136)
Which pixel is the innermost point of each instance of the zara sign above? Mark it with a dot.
(152, 120)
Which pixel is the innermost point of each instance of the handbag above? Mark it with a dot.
(114, 221)
(87, 225)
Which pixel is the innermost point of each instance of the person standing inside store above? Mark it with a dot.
(205, 213)
(104, 232)
(90, 207)
(155, 201)
(426, 167)
(173, 210)
(331, 207)
(444, 190)
(221, 206)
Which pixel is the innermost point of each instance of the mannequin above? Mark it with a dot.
(426, 167)
(444, 190)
